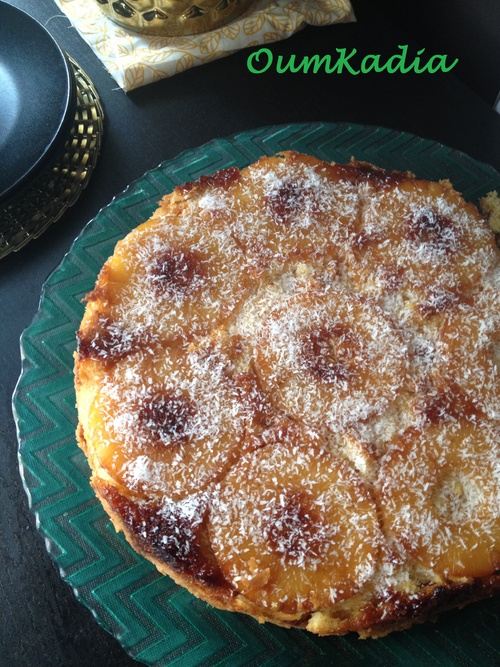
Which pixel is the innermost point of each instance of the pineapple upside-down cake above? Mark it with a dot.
(288, 393)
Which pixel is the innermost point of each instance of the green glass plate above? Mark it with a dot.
(157, 622)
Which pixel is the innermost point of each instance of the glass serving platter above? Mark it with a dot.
(157, 622)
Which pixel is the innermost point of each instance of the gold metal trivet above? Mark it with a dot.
(172, 18)
(30, 213)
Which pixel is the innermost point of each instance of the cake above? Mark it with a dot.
(287, 390)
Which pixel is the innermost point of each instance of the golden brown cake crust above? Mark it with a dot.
(287, 389)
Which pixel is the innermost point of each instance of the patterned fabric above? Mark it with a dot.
(135, 60)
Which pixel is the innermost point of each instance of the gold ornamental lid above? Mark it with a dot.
(172, 17)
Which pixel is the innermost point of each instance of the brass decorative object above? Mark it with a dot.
(172, 17)
(31, 212)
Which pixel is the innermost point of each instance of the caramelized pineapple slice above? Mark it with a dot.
(422, 235)
(169, 426)
(440, 497)
(468, 347)
(290, 206)
(293, 528)
(330, 358)
(174, 278)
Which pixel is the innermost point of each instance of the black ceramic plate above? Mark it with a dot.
(37, 99)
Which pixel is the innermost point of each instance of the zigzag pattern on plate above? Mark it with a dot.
(155, 621)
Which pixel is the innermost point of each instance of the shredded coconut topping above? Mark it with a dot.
(300, 514)
(300, 363)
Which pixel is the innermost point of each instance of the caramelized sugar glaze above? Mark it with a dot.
(287, 385)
